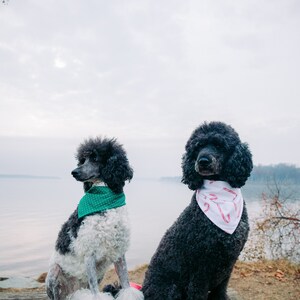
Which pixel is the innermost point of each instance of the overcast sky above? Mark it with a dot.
(148, 73)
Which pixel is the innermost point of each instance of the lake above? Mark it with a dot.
(33, 210)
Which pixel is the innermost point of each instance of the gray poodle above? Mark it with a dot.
(96, 234)
(195, 258)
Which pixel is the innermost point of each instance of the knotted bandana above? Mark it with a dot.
(221, 203)
(98, 199)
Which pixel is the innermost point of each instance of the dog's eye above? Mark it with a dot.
(81, 161)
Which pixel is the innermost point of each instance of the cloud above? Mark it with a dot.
(146, 70)
(59, 63)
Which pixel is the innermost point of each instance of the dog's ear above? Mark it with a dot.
(189, 175)
(116, 171)
(239, 166)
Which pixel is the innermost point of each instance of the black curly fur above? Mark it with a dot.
(68, 230)
(195, 258)
(238, 159)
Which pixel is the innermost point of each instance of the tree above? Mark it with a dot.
(276, 233)
(281, 223)
(281, 172)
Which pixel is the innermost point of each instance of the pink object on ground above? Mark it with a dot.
(135, 285)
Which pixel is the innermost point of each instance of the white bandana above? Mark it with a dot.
(221, 203)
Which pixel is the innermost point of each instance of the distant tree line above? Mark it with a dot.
(270, 173)
(279, 172)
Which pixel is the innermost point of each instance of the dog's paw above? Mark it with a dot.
(130, 293)
(112, 289)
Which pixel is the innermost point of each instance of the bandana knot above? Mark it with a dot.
(98, 199)
(221, 203)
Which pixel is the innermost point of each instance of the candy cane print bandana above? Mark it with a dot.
(221, 203)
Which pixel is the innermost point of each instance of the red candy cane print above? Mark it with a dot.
(226, 220)
(235, 196)
(231, 192)
(206, 205)
(213, 197)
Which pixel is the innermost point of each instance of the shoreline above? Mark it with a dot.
(261, 280)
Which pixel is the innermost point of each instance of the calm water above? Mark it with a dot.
(33, 210)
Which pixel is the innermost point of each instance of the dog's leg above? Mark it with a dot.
(197, 287)
(52, 283)
(58, 284)
(127, 292)
(220, 292)
(121, 269)
(90, 264)
(93, 292)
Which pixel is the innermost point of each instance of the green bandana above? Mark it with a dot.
(97, 199)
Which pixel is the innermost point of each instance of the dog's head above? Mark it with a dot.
(214, 151)
(102, 160)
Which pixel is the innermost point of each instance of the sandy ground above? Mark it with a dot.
(263, 280)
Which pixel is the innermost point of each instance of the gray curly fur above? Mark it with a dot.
(113, 170)
(114, 167)
(195, 258)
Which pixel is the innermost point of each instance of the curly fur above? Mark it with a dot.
(86, 246)
(238, 164)
(105, 236)
(195, 258)
(85, 294)
(111, 160)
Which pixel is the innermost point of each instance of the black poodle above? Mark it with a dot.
(196, 256)
(97, 233)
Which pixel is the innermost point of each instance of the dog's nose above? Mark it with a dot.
(75, 172)
(204, 161)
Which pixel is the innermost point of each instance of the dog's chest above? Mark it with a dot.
(102, 234)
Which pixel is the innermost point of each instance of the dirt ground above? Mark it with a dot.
(263, 280)
(266, 280)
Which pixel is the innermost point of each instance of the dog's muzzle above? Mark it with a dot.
(206, 165)
(204, 161)
(80, 175)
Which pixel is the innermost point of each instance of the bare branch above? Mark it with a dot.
(276, 233)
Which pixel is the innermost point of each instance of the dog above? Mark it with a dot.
(195, 258)
(97, 233)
